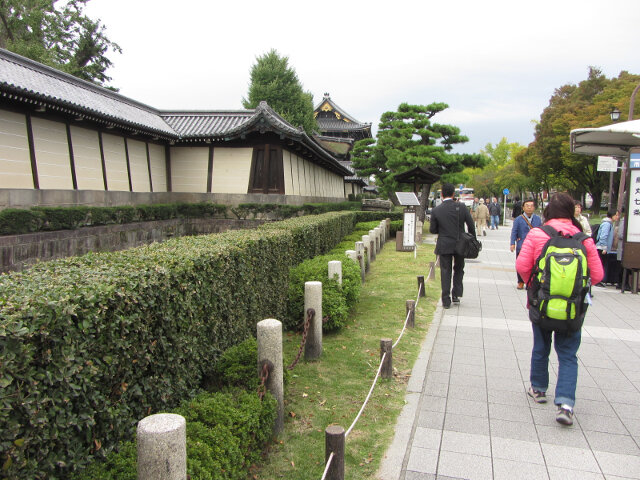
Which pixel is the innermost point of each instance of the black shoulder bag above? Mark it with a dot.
(467, 245)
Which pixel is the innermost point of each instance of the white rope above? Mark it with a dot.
(326, 468)
(406, 320)
(384, 355)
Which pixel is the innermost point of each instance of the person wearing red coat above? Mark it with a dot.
(559, 214)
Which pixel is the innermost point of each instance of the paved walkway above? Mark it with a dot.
(467, 414)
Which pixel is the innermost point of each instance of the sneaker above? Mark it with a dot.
(564, 415)
(537, 395)
(520, 285)
(455, 299)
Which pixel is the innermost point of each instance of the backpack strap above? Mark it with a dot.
(549, 230)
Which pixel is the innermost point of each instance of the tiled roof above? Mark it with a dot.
(205, 124)
(24, 76)
(330, 124)
(353, 178)
(334, 106)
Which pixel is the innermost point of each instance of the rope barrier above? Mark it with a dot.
(375, 380)
(326, 469)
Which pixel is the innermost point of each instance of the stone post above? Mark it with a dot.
(334, 437)
(387, 223)
(352, 254)
(374, 243)
(162, 447)
(411, 313)
(360, 254)
(386, 346)
(335, 269)
(367, 243)
(313, 299)
(269, 336)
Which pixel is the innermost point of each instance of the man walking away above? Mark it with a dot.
(521, 226)
(494, 211)
(517, 208)
(482, 217)
(447, 221)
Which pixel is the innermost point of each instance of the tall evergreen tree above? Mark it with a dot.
(58, 35)
(274, 81)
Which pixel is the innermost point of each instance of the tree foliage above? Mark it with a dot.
(274, 81)
(408, 138)
(548, 159)
(57, 34)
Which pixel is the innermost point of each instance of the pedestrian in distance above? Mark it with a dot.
(494, 211)
(604, 244)
(586, 228)
(474, 212)
(517, 208)
(559, 214)
(447, 221)
(482, 217)
(520, 229)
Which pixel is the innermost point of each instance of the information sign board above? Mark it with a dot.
(607, 164)
(409, 229)
(407, 199)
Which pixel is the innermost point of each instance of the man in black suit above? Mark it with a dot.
(447, 220)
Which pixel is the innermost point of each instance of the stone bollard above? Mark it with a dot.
(313, 299)
(367, 246)
(334, 437)
(162, 447)
(421, 286)
(387, 223)
(335, 269)
(432, 271)
(380, 238)
(374, 243)
(269, 336)
(411, 313)
(386, 346)
(352, 254)
(361, 261)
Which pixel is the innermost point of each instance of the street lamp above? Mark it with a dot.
(615, 114)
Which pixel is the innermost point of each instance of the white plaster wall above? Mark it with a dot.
(138, 165)
(52, 154)
(231, 170)
(115, 161)
(158, 168)
(15, 163)
(189, 169)
(87, 160)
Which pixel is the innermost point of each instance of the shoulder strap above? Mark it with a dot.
(549, 230)
(527, 220)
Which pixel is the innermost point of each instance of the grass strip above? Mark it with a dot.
(332, 389)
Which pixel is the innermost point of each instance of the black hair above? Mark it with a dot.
(611, 213)
(447, 190)
(535, 204)
(561, 205)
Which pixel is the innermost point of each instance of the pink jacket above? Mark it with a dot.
(535, 240)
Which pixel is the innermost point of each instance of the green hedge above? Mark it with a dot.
(15, 221)
(91, 344)
(226, 430)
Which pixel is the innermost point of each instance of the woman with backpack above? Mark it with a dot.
(559, 215)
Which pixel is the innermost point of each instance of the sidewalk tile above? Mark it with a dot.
(420, 476)
(515, 430)
(516, 450)
(429, 419)
(467, 407)
(618, 464)
(427, 438)
(627, 411)
(466, 443)
(467, 392)
(466, 424)
(569, 457)
(462, 465)
(557, 473)
(433, 403)
(507, 397)
(599, 423)
(612, 443)
(510, 412)
(560, 435)
(423, 460)
(510, 470)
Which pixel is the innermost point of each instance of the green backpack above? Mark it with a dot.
(559, 284)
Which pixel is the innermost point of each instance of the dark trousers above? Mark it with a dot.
(448, 264)
(520, 280)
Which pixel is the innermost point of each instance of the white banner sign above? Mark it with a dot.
(633, 228)
(607, 164)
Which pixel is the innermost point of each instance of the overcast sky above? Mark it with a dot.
(495, 63)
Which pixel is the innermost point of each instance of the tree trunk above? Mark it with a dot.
(597, 198)
(424, 201)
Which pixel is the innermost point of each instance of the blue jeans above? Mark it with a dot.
(495, 221)
(566, 346)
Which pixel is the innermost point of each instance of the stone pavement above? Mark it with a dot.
(467, 414)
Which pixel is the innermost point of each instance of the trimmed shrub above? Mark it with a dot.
(91, 344)
(237, 366)
(337, 300)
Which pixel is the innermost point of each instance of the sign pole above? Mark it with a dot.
(504, 212)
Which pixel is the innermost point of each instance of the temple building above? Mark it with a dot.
(338, 132)
(65, 141)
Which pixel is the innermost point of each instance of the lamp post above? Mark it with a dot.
(615, 116)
